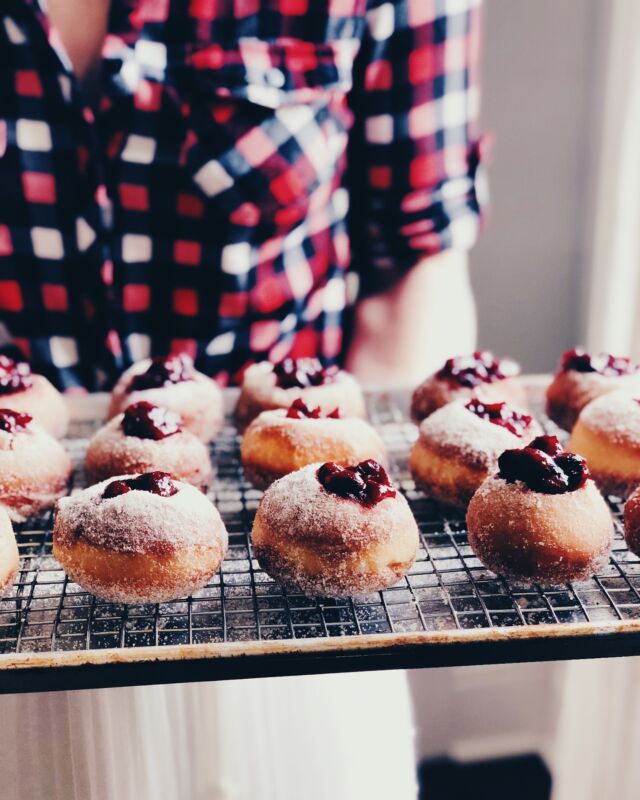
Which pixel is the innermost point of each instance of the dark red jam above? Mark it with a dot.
(300, 410)
(500, 414)
(480, 367)
(163, 372)
(15, 376)
(579, 360)
(544, 466)
(301, 373)
(368, 482)
(13, 421)
(154, 482)
(146, 421)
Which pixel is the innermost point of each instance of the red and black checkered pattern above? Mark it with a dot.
(249, 161)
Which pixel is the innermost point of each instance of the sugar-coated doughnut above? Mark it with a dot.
(146, 438)
(267, 386)
(172, 383)
(459, 444)
(139, 539)
(9, 555)
(479, 374)
(583, 377)
(24, 391)
(607, 434)
(632, 522)
(34, 467)
(540, 518)
(334, 531)
(283, 440)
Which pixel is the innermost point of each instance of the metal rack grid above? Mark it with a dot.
(449, 608)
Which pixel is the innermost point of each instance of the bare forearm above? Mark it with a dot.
(408, 332)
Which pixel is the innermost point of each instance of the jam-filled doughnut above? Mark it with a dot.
(281, 441)
(331, 530)
(479, 374)
(607, 434)
(175, 384)
(34, 467)
(145, 438)
(459, 444)
(632, 522)
(139, 539)
(24, 391)
(267, 386)
(540, 518)
(9, 556)
(582, 377)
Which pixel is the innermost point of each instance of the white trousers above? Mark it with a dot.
(318, 738)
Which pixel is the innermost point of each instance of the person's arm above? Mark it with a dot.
(415, 211)
(82, 25)
(406, 333)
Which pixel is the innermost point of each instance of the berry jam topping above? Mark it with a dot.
(15, 376)
(500, 414)
(479, 367)
(301, 373)
(154, 482)
(13, 421)
(544, 467)
(163, 372)
(300, 410)
(147, 421)
(368, 482)
(579, 360)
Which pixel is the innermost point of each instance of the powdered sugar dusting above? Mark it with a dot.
(456, 432)
(139, 522)
(616, 416)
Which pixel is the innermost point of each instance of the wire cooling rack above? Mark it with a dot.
(449, 609)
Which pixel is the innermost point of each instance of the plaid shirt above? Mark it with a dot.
(249, 163)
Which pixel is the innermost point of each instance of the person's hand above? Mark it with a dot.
(402, 336)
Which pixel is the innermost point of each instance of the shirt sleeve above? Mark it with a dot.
(414, 159)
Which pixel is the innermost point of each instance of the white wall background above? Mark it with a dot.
(540, 100)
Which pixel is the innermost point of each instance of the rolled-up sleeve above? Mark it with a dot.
(414, 160)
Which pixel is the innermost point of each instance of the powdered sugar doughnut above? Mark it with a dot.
(139, 546)
(582, 378)
(23, 391)
(267, 386)
(319, 542)
(607, 434)
(132, 442)
(172, 383)
(277, 443)
(9, 555)
(540, 518)
(632, 522)
(458, 447)
(34, 468)
(479, 374)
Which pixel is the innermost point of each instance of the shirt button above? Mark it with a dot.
(275, 77)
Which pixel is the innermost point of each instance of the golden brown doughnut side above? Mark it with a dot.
(435, 392)
(569, 392)
(9, 555)
(539, 537)
(44, 403)
(607, 434)
(632, 522)
(442, 478)
(137, 577)
(274, 445)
